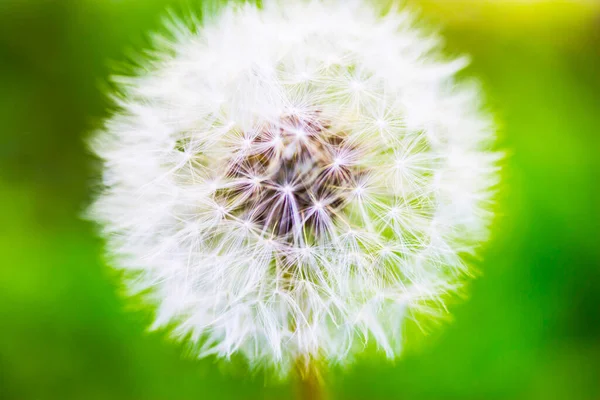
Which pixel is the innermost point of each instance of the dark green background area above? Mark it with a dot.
(529, 330)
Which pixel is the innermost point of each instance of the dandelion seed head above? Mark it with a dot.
(291, 181)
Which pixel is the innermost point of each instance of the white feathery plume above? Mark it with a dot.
(290, 181)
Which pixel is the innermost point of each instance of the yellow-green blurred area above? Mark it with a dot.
(530, 328)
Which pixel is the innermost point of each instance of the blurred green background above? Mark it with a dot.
(530, 329)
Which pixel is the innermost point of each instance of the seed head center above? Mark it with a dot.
(303, 180)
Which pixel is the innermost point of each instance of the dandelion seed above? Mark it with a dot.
(291, 181)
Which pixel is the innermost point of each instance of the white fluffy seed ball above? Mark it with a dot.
(290, 181)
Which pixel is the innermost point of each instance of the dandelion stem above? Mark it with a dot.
(310, 384)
